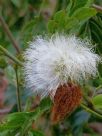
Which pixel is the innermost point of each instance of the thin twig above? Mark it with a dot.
(99, 87)
(91, 105)
(91, 111)
(8, 54)
(18, 90)
(97, 7)
(8, 32)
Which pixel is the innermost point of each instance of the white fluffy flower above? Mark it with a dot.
(51, 62)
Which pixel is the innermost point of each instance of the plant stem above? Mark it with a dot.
(8, 32)
(97, 7)
(99, 87)
(8, 54)
(91, 111)
(18, 90)
(91, 105)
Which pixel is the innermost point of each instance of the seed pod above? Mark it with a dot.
(66, 99)
(52, 62)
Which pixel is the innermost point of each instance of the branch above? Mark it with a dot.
(91, 106)
(8, 54)
(91, 111)
(8, 32)
(18, 90)
(98, 8)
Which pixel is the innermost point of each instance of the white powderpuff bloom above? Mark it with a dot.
(51, 62)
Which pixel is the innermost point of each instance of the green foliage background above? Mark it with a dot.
(26, 19)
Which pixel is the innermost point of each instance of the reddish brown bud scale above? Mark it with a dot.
(66, 99)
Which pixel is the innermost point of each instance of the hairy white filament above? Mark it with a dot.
(50, 62)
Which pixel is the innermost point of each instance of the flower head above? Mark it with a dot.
(51, 62)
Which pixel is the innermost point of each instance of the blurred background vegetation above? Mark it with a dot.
(28, 18)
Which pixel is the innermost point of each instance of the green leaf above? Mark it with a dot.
(96, 27)
(97, 101)
(68, 9)
(44, 105)
(77, 4)
(71, 22)
(36, 133)
(3, 62)
(52, 25)
(83, 14)
(62, 19)
(16, 120)
(89, 2)
(9, 133)
(80, 119)
(32, 28)
(17, 3)
(60, 16)
(59, 22)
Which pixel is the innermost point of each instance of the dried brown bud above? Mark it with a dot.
(66, 99)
